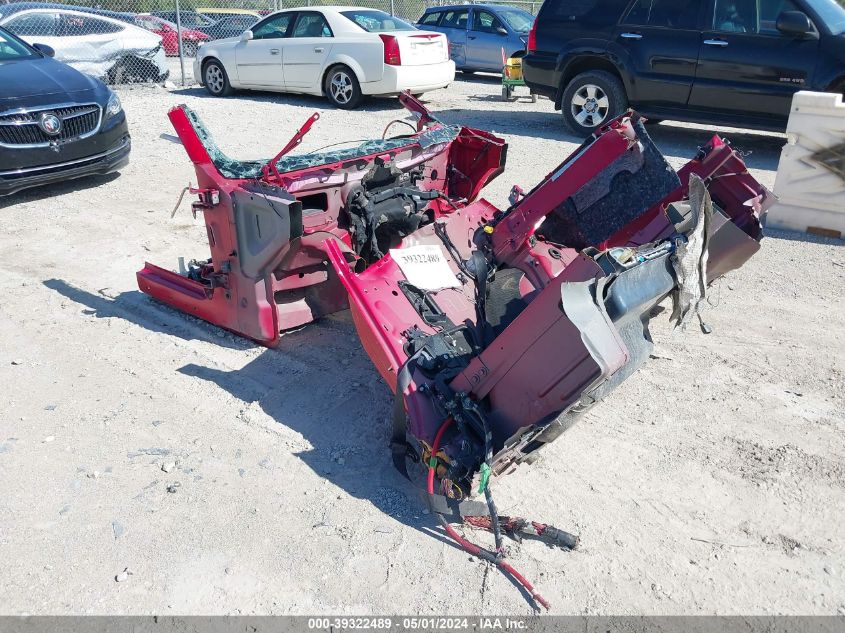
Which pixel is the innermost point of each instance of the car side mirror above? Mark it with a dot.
(501, 30)
(246, 36)
(45, 50)
(794, 23)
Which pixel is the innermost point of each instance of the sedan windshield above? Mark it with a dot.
(519, 20)
(831, 13)
(375, 21)
(12, 48)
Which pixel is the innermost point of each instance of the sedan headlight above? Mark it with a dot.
(114, 106)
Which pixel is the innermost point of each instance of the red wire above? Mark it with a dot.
(469, 547)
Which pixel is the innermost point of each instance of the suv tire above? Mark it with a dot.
(592, 99)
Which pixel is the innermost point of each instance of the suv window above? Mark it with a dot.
(431, 19)
(735, 16)
(34, 24)
(272, 28)
(519, 20)
(455, 19)
(675, 14)
(311, 25)
(769, 12)
(593, 13)
(485, 21)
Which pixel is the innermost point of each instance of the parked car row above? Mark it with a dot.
(56, 123)
(96, 44)
(733, 62)
(344, 53)
(719, 62)
(120, 46)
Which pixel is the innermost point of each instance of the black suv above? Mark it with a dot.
(729, 62)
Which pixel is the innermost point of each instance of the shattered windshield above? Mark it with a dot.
(233, 168)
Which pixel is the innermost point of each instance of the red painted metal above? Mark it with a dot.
(300, 286)
(539, 364)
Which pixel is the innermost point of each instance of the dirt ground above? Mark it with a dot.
(712, 481)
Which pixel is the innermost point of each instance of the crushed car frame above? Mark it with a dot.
(496, 329)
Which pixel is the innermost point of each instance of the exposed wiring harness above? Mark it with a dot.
(471, 548)
(402, 121)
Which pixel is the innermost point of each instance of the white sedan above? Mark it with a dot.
(343, 53)
(97, 45)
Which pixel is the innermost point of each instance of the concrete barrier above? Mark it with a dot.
(810, 182)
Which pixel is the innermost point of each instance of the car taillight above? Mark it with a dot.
(391, 50)
(532, 37)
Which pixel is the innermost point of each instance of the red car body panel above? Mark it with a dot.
(541, 365)
(296, 285)
(569, 317)
(496, 329)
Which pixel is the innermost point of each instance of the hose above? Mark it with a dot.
(472, 548)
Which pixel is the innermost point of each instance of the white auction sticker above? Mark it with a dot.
(425, 267)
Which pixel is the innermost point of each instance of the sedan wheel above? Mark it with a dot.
(215, 79)
(342, 88)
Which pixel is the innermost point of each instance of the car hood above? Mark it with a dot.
(35, 82)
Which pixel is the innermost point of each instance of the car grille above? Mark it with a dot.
(21, 128)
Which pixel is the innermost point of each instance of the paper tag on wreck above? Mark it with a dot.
(425, 267)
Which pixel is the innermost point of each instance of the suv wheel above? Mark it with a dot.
(591, 99)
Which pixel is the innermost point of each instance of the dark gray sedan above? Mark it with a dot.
(479, 33)
(55, 122)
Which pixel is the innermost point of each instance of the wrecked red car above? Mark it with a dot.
(268, 221)
(496, 329)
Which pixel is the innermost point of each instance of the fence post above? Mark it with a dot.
(179, 42)
(392, 8)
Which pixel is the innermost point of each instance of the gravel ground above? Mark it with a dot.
(209, 475)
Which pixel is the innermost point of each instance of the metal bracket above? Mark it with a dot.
(270, 167)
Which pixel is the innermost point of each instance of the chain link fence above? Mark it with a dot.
(134, 41)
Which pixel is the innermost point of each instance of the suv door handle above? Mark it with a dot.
(318, 49)
(721, 43)
(471, 37)
(274, 51)
(631, 36)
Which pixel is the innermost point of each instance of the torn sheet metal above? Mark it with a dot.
(520, 337)
(268, 221)
(690, 258)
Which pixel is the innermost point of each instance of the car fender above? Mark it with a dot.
(365, 60)
(225, 55)
(605, 55)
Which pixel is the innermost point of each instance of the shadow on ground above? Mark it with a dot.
(138, 308)
(58, 189)
(318, 382)
(370, 104)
